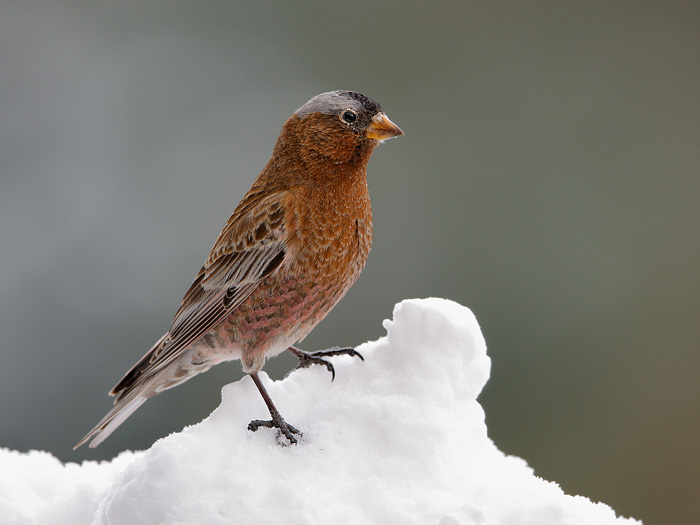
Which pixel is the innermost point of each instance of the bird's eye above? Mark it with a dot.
(349, 116)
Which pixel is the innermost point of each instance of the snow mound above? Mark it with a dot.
(397, 439)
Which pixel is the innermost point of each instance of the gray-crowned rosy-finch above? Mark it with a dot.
(294, 245)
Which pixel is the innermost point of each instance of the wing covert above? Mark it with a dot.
(249, 248)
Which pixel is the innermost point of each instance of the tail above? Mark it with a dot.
(121, 410)
(132, 391)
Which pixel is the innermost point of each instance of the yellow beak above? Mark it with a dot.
(381, 128)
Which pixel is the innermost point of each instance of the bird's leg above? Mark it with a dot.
(276, 422)
(307, 359)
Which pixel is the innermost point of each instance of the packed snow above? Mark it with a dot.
(397, 439)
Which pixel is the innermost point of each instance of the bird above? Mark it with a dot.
(292, 248)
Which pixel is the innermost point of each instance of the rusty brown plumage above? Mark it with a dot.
(295, 244)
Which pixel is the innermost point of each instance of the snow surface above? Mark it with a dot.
(397, 439)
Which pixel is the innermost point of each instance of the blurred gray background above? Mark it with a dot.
(549, 179)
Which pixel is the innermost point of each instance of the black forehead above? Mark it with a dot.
(336, 101)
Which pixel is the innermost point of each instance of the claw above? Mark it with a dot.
(283, 429)
(306, 359)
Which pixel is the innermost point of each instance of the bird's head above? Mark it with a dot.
(341, 126)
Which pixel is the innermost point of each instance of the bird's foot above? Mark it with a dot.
(283, 429)
(276, 421)
(306, 359)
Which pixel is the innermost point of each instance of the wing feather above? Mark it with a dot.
(249, 248)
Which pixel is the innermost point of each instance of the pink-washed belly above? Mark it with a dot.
(275, 316)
